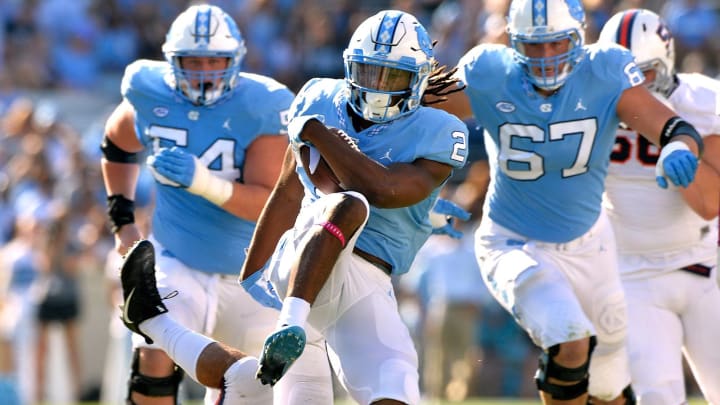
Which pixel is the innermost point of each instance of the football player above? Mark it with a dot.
(550, 106)
(214, 137)
(666, 240)
(333, 254)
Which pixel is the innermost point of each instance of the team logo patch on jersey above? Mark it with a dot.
(193, 115)
(580, 106)
(505, 107)
(387, 156)
(546, 107)
(160, 111)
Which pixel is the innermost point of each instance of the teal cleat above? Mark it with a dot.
(280, 351)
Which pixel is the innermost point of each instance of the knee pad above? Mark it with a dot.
(153, 386)
(547, 368)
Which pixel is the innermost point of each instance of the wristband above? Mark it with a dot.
(209, 186)
(677, 126)
(121, 211)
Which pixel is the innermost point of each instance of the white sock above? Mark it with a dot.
(180, 343)
(294, 311)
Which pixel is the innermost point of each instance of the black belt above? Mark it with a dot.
(699, 269)
(378, 262)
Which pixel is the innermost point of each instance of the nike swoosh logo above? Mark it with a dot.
(125, 307)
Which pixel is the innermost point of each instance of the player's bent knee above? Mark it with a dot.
(153, 386)
(352, 205)
(574, 380)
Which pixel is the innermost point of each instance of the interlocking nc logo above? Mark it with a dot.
(613, 318)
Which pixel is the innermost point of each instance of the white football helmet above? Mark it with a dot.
(387, 66)
(204, 31)
(646, 35)
(542, 21)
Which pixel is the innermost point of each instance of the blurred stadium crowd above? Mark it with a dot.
(59, 74)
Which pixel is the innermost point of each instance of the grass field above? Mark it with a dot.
(476, 401)
(472, 401)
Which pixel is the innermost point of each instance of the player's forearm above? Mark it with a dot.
(355, 170)
(120, 178)
(703, 194)
(247, 201)
(277, 216)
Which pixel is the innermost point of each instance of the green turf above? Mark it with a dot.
(474, 401)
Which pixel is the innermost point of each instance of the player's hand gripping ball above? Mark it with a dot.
(319, 171)
(317, 168)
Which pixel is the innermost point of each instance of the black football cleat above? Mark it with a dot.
(141, 298)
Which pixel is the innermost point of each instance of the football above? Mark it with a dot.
(318, 170)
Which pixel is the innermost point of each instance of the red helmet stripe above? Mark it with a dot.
(624, 34)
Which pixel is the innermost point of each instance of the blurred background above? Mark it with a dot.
(60, 68)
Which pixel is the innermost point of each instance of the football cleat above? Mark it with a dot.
(280, 351)
(141, 298)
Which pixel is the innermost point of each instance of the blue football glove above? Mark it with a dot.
(261, 290)
(172, 167)
(676, 163)
(443, 216)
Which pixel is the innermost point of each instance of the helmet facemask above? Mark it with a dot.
(548, 73)
(203, 87)
(381, 93)
(663, 81)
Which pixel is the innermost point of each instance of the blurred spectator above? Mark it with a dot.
(694, 24)
(59, 303)
(457, 25)
(450, 292)
(74, 59)
(117, 41)
(26, 48)
(21, 263)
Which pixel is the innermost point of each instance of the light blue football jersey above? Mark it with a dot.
(548, 156)
(394, 235)
(199, 233)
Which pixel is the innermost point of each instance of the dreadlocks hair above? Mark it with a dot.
(440, 84)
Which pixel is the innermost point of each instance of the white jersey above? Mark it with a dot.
(655, 229)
